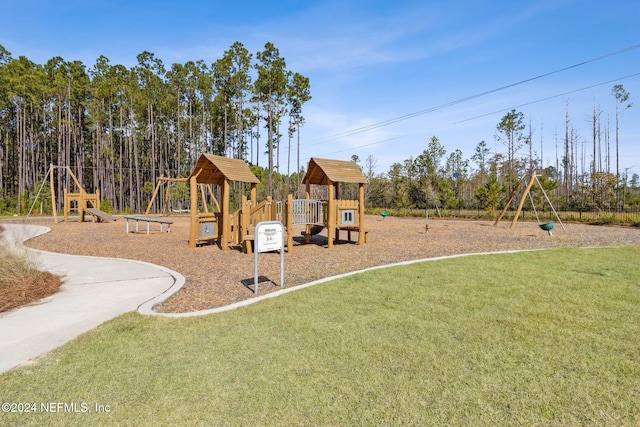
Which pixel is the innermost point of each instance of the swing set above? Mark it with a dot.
(170, 182)
(546, 226)
(80, 201)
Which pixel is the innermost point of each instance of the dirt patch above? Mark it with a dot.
(215, 278)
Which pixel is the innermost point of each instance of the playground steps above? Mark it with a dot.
(99, 215)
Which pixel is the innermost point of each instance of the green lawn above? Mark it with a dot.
(534, 338)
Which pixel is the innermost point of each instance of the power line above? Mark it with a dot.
(468, 98)
(499, 111)
(361, 146)
(548, 98)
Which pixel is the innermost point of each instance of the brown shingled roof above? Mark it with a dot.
(211, 169)
(326, 171)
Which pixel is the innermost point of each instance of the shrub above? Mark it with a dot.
(105, 206)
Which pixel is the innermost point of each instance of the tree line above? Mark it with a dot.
(584, 173)
(120, 128)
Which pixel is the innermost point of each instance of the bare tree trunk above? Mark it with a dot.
(21, 150)
(270, 153)
(298, 166)
(567, 171)
(607, 146)
(121, 172)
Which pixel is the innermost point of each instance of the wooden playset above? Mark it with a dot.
(334, 214)
(337, 214)
(224, 226)
(78, 201)
(238, 228)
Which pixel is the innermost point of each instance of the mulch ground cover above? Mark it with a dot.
(215, 278)
(20, 281)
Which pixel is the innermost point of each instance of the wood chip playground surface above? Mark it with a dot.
(216, 278)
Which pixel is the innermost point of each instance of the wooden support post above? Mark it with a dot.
(270, 209)
(96, 205)
(253, 194)
(153, 196)
(337, 212)
(66, 205)
(287, 216)
(226, 220)
(81, 204)
(506, 206)
(331, 207)
(167, 193)
(523, 198)
(193, 187)
(307, 195)
(361, 232)
(53, 195)
(245, 219)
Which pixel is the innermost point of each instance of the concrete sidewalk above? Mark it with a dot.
(95, 290)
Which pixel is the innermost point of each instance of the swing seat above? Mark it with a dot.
(547, 226)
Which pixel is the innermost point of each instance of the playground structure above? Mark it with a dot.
(238, 228)
(224, 226)
(336, 214)
(169, 182)
(79, 201)
(162, 180)
(546, 226)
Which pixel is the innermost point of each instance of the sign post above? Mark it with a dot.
(269, 236)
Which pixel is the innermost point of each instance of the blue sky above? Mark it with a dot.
(370, 62)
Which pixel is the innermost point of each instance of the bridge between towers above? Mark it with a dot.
(304, 212)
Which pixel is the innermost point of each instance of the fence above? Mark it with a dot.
(626, 216)
(600, 215)
(605, 216)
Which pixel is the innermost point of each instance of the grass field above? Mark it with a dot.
(535, 338)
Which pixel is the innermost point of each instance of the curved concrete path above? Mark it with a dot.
(94, 290)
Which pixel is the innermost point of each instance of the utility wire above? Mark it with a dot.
(361, 146)
(548, 98)
(499, 111)
(468, 98)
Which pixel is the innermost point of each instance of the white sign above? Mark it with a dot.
(269, 236)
